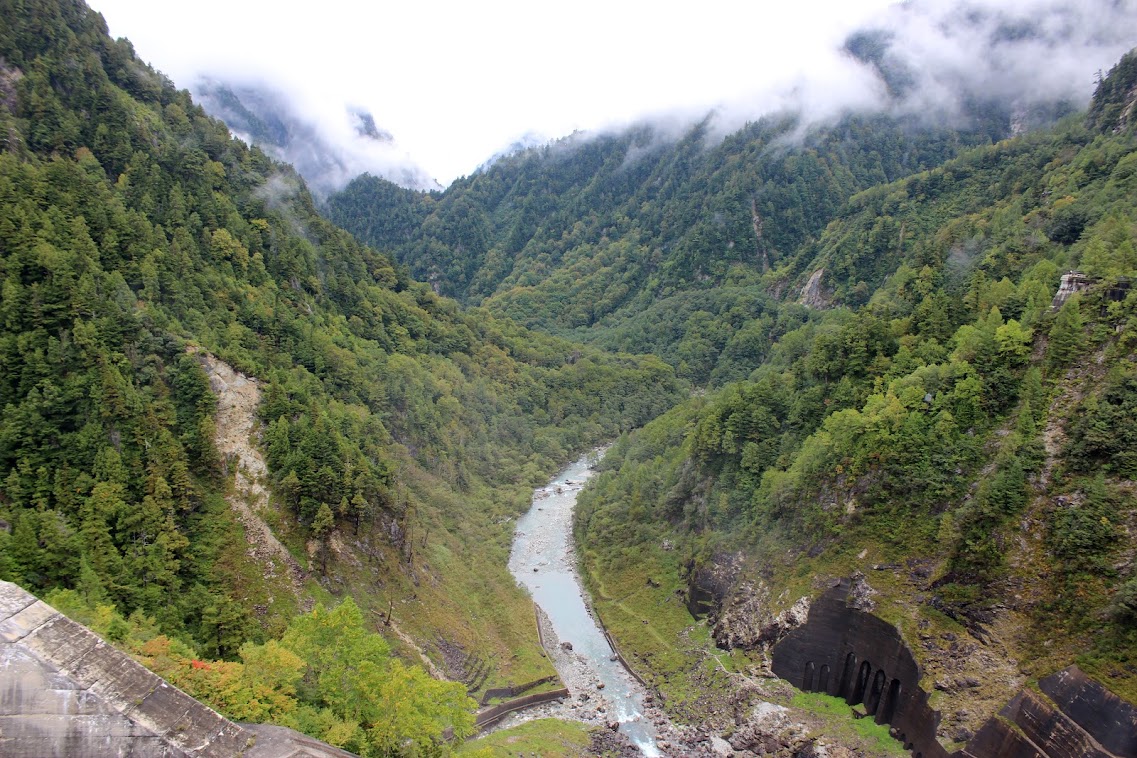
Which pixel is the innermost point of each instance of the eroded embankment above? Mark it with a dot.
(238, 397)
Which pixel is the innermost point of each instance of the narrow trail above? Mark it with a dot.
(237, 399)
(410, 642)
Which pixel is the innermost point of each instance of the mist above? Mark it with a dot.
(328, 149)
(450, 85)
(940, 59)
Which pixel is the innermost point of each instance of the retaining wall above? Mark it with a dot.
(513, 690)
(616, 650)
(495, 713)
(849, 653)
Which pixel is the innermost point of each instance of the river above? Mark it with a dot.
(544, 560)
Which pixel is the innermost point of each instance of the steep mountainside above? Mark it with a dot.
(948, 428)
(142, 245)
(668, 244)
(239, 443)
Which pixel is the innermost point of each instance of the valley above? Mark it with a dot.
(866, 386)
(544, 561)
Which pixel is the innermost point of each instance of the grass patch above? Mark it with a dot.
(449, 584)
(642, 606)
(545, 737)
(838, 716)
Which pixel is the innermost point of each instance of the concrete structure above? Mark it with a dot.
(847, 652)
(852, 654)
(64, 692)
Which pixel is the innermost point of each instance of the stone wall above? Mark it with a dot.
(512, 690)
(492, 715)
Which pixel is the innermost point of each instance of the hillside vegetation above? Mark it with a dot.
(401, 433)
(944, 430)
(641, 240)
(922, 407)
(921, 413)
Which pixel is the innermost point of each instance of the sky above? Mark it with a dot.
(457, 82)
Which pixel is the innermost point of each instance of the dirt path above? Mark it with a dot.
(410, 642)
(237, 399)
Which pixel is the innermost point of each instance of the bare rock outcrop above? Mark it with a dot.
(813, 294)
(745, 620)
(235, 423)
(1071, 282)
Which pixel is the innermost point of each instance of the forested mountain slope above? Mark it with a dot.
(940, 427)
(401, 433)
(669, 244)
(928, 419)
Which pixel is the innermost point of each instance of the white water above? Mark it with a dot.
(544, 542)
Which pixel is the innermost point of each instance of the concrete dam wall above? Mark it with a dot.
(850, 653)
(66, 693)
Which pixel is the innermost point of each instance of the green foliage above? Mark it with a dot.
(911, 414)
(378, 706)
(1101, 432)
(545, 737)
(1124, 605)
(876, 736)
(142, 229)
(1066, 335)
(1083, 532)
(635, 241)
(1114, 95)
(909, 409)
(136, 234)
(328, 676)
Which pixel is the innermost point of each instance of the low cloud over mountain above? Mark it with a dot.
(327, 149)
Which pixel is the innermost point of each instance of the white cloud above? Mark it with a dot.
(455, 82)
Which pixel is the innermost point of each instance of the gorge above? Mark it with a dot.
(868, 381)
(544, 560)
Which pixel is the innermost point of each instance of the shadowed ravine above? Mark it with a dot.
(544, 560)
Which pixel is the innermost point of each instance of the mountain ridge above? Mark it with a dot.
(932, 419)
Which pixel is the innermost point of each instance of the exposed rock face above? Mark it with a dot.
(744, 620)
(238, 397)
(813, 294)
(707, 585)
(64, 692)
(1072, 281)
(770, 733)
(9, 77)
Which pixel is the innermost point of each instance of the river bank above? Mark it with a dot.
(603, 694)
(601, 691)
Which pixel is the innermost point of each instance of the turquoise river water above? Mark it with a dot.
(544, 561)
